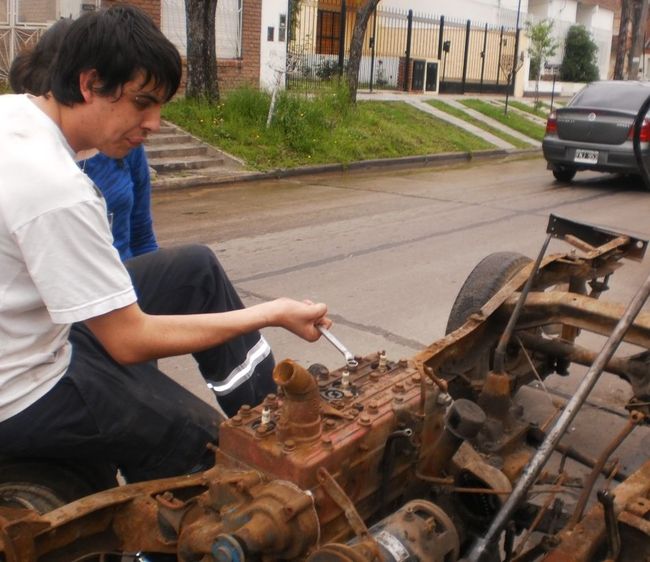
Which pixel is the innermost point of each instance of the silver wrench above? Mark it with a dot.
(350, 361)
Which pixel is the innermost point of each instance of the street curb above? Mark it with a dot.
(426, 160)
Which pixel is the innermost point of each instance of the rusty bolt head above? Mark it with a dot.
(329, 424)
(373, 407)
(398, 399)
(236, 420)
(364, 419)
(374, 376)
(244, 411)
(289, 445)
(416, 379)
(403, 362)
(326, 441)
(398, 388)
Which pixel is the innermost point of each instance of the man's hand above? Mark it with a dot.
(300, 318)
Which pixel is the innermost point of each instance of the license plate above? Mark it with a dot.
(586, 156)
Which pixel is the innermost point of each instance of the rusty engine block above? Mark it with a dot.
(393, 461)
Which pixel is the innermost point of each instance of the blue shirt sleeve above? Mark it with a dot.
(143, 238)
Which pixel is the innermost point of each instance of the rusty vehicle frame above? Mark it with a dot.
(427, 458)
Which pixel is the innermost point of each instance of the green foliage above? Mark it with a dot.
(579, 63)
(316, 129)
(538, 108)
(542, 45)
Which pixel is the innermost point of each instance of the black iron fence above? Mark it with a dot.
(402, 50)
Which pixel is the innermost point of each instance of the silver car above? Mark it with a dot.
(595, 130)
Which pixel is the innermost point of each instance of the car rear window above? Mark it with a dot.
(621, 96)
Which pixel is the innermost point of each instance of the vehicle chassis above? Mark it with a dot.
(396, 460)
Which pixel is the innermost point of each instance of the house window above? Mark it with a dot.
(328, 36)
(282, 28)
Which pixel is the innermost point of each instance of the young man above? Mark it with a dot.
(238, 371)
(76, 377)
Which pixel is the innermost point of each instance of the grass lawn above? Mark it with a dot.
(316, 130)
(541, 111)
(442, 106)
(512, 120)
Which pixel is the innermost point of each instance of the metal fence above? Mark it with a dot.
(402, 50)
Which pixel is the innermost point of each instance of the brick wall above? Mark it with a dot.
(36, 11)
(232, 73)
(152, 7)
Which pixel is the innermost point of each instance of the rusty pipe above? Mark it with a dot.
(300, 419)
(635, 419)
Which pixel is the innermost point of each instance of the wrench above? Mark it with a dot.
(350, 361)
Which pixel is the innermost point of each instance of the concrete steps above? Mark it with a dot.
(179, 158)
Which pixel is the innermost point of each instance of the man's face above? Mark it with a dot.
(124, 120)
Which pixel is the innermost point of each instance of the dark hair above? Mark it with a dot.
(30, 69)
(118, 43)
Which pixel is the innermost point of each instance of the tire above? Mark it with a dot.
(466, 373)
(564, 174)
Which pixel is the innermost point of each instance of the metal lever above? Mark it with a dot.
(350, 361)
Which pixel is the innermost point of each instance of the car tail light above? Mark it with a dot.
(551, 124)
(644, 135)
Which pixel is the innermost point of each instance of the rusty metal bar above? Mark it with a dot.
(580, 311)
(621, 366)
(535, 465)
(634, 420)
(500, 351)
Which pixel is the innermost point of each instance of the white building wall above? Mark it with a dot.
(273, 44)
(494, 12)
(566, 13)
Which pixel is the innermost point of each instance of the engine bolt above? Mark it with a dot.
(416, 379)
(403, 362)
(326, 441)
(382, 360)
(373, 407)
(329, 424)
(374, 376)
(244, 411)
(364, 419)
(271, 401)
(236, 420)
(398, 388)
(289, 445)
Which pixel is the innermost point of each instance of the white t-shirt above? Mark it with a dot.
(57, 261)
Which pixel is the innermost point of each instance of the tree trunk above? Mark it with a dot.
(639, 18)
(621, 43)
(356, 46)
(201, 50)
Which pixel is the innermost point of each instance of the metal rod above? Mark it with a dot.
(535, 465)
(500, 352)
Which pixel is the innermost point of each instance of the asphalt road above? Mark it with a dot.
(389, 250)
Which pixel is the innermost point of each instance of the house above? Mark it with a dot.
(251, 34)
(251, 38)
(597, 16)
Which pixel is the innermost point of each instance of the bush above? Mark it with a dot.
(579, 63)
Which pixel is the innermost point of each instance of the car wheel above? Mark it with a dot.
(563, 173)
(465, 374)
